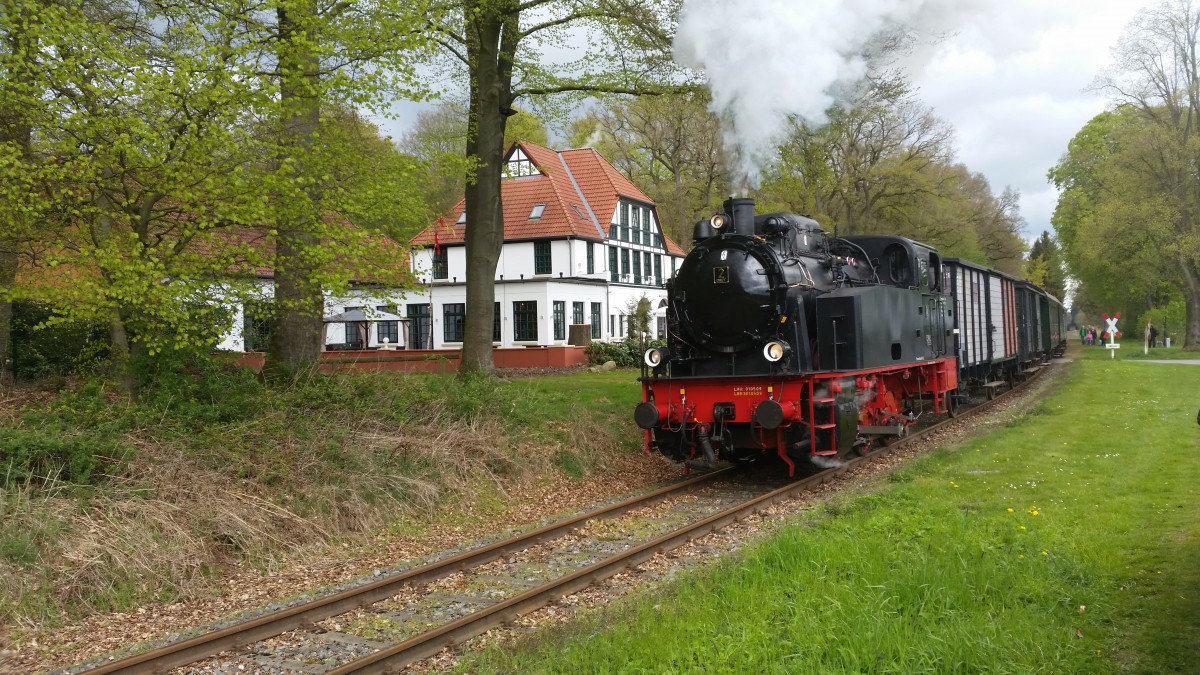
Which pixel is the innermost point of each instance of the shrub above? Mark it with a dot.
(626, 354)
(58, 350)
(49, 454)
(197, 388)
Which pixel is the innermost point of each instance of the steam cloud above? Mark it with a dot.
(767, 60)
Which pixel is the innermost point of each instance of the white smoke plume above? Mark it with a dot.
(767, 60)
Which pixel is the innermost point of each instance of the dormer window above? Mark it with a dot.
(461, 219)
(537, 211)
(518, 165)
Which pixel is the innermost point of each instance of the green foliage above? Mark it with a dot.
(195, 389)
(1127, 216)
(159, 189)
(882, 163)
(638, 311)
(77, 440)
(1045, 266)
(46, 455)
(670, 147)
(626, 353)
(570, 464)
(472, 395)
(629, 52)
(65, 348)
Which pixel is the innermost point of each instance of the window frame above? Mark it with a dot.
(560, 319)
(440, 263)
(543, 257)
(597, 313)
(454, 321)
(525, 325)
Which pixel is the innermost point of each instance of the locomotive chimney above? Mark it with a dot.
(741, 209)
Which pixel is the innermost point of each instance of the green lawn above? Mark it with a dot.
(1065, 541)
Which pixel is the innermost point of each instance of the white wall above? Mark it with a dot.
(233, 336)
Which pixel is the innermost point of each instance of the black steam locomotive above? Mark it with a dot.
(783, 339)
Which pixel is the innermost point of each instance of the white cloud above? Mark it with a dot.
(1014, 84)
(1010, 77)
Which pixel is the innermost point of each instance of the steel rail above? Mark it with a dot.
(429, 643)
(276, 623)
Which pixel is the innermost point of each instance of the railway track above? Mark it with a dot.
(388, 623)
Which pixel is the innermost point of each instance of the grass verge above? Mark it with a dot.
(1063, 542)
(107, 505)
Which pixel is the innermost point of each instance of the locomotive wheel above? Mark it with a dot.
(991, 392)
(952, 404)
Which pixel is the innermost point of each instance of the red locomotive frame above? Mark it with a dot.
(881, 396)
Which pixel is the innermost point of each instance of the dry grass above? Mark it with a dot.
(175, 518)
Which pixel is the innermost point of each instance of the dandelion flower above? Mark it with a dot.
(1010, 509)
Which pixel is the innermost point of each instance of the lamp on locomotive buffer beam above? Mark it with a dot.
(775, 350)
(655, 357)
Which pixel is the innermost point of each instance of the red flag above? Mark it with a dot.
(437, 245)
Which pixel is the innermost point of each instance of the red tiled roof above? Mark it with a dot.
(564, 175)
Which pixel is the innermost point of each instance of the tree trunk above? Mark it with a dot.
(15, 128)
(295, 341)
(490, 94)
(121, 355)
(1191, 289)
(8, 277)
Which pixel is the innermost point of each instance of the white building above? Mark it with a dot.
(250, 325)
(377, 304)
(581, 245)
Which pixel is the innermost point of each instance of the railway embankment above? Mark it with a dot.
(215, 493)
(1063, 539)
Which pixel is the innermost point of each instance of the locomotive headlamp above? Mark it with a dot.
(775, 350)
(719, 221)
(655, 356)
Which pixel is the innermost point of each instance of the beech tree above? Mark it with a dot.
(438, 140)
(670, 146)
(1129, 214)
(883, 163)
(171, 130)
(17, 93)
(497, 46)
(325, 52)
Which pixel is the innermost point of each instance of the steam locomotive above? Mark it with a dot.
(784, 340)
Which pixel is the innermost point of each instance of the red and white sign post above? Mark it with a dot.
(1113, 334)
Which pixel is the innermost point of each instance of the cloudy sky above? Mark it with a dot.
(1012, 84)
(1011, 77)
